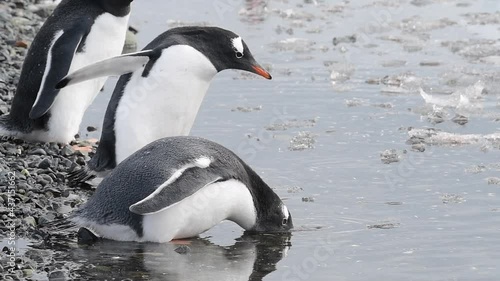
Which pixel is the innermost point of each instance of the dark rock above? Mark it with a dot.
(461, 120)
(46, 218)
(57, 275)
(45, 164)
(80, 160)
(418, 147)
(44, 180)
(91, 129)
(67, 163)
(183, 249)
(86, 236)
(37, 151)
(67, 151)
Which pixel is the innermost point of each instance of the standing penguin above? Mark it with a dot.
(163, 89)
(78, 33)
(179, 187)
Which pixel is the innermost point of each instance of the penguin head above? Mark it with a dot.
(225, 49)
(276, 218)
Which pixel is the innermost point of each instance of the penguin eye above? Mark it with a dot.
(239, 55)
(284, 222)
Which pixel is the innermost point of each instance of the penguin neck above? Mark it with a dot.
(263, 196)
(165, 102)
(118, 8)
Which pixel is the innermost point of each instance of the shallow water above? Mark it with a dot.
(428, 216)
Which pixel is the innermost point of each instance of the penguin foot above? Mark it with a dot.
(181, 242)
(86, 236)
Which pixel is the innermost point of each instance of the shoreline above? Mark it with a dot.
(33, 189)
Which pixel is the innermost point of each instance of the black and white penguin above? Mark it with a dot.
(78, 33)
(179, 187)
(163, 90)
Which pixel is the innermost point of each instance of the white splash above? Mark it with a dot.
(463, 99)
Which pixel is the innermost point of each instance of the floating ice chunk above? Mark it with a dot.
(465, 99)
(435, 137)
(440, 101)
(341, 72)
(299, 45)
(491, 60)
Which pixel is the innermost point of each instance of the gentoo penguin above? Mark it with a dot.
(78, 33)
(163, 89)
(179, 187)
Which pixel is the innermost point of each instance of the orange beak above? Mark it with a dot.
(262, 72)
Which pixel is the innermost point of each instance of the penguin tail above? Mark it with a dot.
(80, 177)
(7, 129)
(59, 232)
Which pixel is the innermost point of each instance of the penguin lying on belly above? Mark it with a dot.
(162, 90)
(78, 33)
(179, 187)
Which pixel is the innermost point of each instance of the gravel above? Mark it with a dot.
(38, 190)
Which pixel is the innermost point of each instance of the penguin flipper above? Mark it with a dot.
(175, 189)
(59, 58)
(109, 67)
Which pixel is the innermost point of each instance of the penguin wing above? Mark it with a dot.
(114, 66)
(182, 184)
(59, 58)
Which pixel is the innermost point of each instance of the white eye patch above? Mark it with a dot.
(238, 45)
(285, 211)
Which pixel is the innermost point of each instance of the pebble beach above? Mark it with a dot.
(33, 191)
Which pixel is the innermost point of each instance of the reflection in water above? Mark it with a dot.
(250, 258)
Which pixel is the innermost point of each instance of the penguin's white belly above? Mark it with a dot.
(201, 211)
(106, 39)
(165, 103)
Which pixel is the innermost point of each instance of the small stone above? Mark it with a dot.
(57, 276)
(26, 173)
(493, 181)
(183, 249)
(30, 221)
(80, 160)
(27, 272)
(55, 191)
(461, 120)
(23, 185)
(38, 151)
(65, 193)
(452, 198)
(44, 180)
(308, 199)
(394, 203)
(66, 163)
(21, 44)
(45, 164)
(387, 225)
(390, 156)
(67, 151)
(46, 219)
(418, 147)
